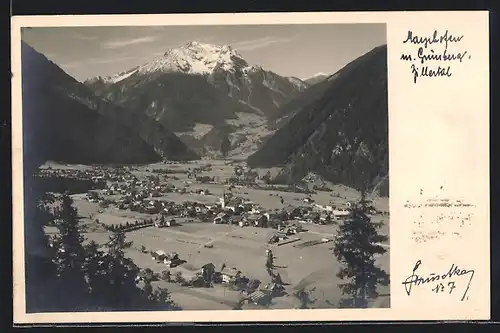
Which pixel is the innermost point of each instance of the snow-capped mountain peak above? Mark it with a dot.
(114, 78)
(320, 74)
(298, 83)
(205, 67)
(196, 58)
(191, 58)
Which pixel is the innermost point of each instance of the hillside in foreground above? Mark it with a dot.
(64, 121)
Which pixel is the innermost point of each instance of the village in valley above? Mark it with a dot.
(208, 170)
(216, 234)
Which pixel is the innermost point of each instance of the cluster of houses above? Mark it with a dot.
(139, 196)
(144, 196)
(226, 275)
(97, 174)
(150, 187)
(208, 275)
(171, 259)
(243, 176)
(246, 213)
(66, 183)
(285, 232)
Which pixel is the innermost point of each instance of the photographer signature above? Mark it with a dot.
(454, 271)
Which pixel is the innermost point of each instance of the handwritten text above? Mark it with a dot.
(431, 50)
(439, 281)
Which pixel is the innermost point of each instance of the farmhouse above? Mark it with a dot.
(341, 213)
(230, 274)
(221, 218)
(158, 255)
(207, 272)
(290, 229)
(262, 221)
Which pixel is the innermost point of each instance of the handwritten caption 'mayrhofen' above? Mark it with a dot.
(432, 57)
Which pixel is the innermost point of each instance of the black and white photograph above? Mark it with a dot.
(205, 167)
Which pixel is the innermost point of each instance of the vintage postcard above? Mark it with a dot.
(251, 167)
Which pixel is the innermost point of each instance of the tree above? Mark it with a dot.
(225, 145)
(163, 299)
(178, 277)
(270, 263)
(276, 278)
(40, 271)
(149, 275)
(122, 292)
(147, 290)
(267, 177)
(305, 298)
(356, 248)
(71, 276)
(95, 269)
(165, 275)
(70, 255)
(239, 305)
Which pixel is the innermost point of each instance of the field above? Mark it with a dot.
(301, 264)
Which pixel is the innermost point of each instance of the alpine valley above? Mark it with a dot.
(181, 105)
(202, 91)
(199, 180)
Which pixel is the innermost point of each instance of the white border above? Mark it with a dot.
(401, 99)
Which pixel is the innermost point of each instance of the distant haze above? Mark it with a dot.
(289, 50)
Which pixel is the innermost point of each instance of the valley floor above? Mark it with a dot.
(308, 266)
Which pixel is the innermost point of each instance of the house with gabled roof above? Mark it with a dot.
(230, 274)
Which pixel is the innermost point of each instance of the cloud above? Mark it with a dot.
(84, 37)
(73, 64)
(123, 43)
(207, 39)
(254, 44)
(97, 61)
(101, 61)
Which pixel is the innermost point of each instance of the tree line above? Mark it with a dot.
(65, 273)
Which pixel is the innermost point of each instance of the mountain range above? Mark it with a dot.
(316, 78)
(337, 128)
(179, 105)
(63, 120)
(199, 83)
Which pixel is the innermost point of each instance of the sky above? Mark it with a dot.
(288, 50)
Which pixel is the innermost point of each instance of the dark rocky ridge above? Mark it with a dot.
(339, 128)
(64, 121)
(60, 122)
(176, 100)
